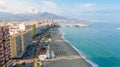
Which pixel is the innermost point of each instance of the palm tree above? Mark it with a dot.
(48, 37)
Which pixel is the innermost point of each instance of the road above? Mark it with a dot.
(28, 59)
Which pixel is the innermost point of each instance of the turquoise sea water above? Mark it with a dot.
(100, 42)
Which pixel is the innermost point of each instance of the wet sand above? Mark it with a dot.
(66, 56)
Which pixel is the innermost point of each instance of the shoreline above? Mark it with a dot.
(80, 53)
(66, 55)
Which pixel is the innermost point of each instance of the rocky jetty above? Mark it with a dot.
(74, 25)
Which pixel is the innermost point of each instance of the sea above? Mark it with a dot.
(98, 44)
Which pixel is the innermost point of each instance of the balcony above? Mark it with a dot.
(5, 32)
(1, 52)
(7, 39)
(3, 29)
(2, 55)
(6, 59)
(1, 48)
(6, 50)
(7, 29)
(7, 35)
(1, 59)
(2, 63)
(7, 53)
(1, 33)
(1, 45)
(1, 39)
(8, 42)
(4, 36)
(9, 63)
(7, 46)
(4, 42)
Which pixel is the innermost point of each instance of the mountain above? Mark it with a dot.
(45, 15)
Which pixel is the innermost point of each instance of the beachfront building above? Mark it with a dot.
(22, 34)
(20, 38)
(19, 42)
(26, 39)
(33, 30)
(23, 26)
(41, 26)
(16, 45)
(13, 28)
(5, 51)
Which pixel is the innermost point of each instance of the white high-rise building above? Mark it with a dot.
(23, 26)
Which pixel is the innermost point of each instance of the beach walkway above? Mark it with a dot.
(66, 56)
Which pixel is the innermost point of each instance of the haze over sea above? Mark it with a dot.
(100, 42)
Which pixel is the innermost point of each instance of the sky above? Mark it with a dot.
(83, 9)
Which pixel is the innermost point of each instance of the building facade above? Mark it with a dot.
(33, 30)
(5, 51)
(19, 43)
(16, 46)
(26, 39)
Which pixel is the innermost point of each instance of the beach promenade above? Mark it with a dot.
(66, 56)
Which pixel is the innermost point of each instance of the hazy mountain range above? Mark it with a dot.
(45, 15)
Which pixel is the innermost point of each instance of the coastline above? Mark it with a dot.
(80, 53)
(66, 55)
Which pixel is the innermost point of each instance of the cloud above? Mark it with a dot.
(15, 6)
(33, 10)
(84, 7)
(2, 7)
(78, 9)
(88, 6)
(50, 6)
(29, 6)
(2, 2)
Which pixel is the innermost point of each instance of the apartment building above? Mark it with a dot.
(33, 30)
(21, 35)
(16, 45)
(19, 42)
(26, 38)
(5, 51)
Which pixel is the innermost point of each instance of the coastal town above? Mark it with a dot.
(19, 40)
(59, 33)
(36, 44)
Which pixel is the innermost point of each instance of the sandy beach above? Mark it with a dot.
(66, 56)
